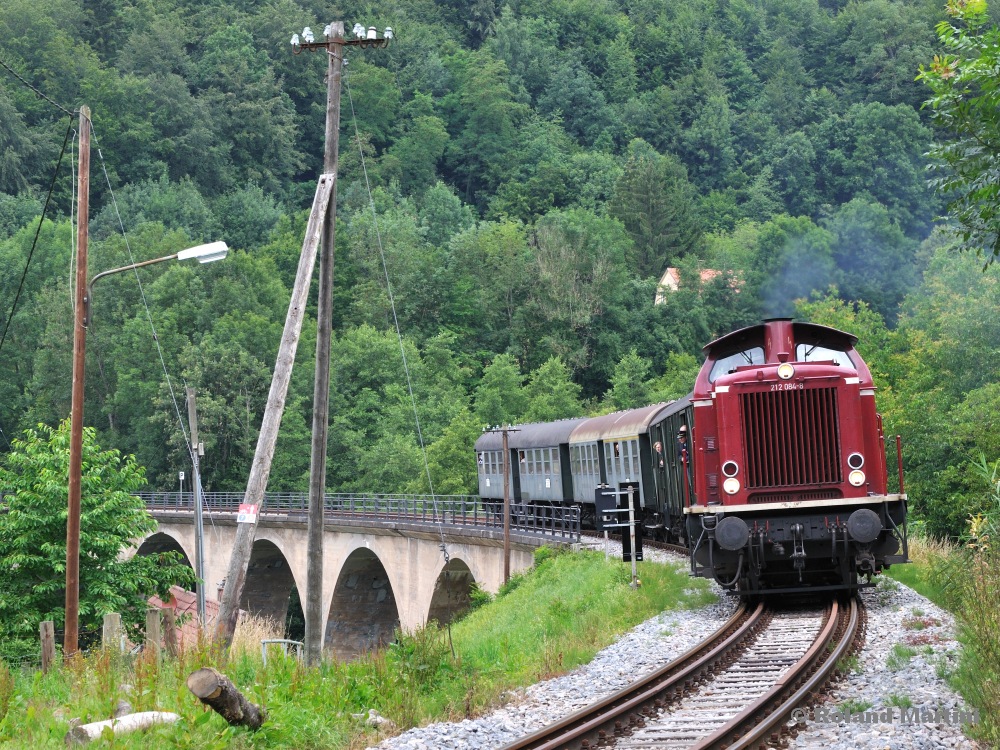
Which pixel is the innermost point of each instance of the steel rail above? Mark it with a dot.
(803, 680)
(596, 722)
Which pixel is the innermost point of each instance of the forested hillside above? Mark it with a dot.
(534, 167)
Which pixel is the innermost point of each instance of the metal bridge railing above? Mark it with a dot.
(449, 510)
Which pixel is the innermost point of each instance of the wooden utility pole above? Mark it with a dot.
(71, 637)
(264, 453)
(321, 221)
(321, 387)
(505, 443)
(506, 507)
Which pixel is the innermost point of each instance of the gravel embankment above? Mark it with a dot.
(909, 676)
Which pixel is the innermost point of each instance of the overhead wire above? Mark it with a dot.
(399, 334)
(55, 173)
(149, 315)
(38, 231)
(38, 93)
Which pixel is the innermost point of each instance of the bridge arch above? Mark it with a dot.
(163, 542)
(452, 596)
(269, 583)
(363, 613)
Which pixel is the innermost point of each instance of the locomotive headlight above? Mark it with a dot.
(731, 486)
(857, 478)
(785, 371)
(855, 460)
(730, 468)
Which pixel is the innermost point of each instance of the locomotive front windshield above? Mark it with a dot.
(817, 353)
(752, 355)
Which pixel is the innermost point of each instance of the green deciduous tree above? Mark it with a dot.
(33, 538)
(449, 458)
(876, 262)
(500, 398)
(579, 262)
(551, 393)
(629, 389)
(415, 155)
(965, 104)
(677, 379)
(946, 355)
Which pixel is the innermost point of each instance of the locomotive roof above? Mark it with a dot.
(620, 424)
(803, 332)
(533, 435)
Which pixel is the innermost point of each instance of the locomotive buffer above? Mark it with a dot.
(608, 503)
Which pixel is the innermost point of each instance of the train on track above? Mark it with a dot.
(771, 472)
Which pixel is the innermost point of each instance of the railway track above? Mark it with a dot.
(736, 689)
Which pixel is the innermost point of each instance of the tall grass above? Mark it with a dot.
(543, 623)
(975, 577)
(965, 579)
(927, 556)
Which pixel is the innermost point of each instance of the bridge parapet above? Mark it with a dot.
(447, 511)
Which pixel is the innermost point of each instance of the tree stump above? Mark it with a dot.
(217, 692)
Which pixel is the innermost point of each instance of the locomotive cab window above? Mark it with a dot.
(817, 353)
(753, 355)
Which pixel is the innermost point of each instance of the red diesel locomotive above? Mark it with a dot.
(790, 485)
(772, 471)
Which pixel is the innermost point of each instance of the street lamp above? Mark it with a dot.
(203, 254)
(209, 253)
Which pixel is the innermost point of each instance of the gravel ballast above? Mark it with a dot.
(909, 648)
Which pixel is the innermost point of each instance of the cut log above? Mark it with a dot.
(84, 733)
(215, 690)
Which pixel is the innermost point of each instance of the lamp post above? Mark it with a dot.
(203, 254)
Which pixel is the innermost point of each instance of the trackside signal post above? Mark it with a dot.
(611, 515)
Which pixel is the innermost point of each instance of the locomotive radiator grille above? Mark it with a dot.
(791, 438)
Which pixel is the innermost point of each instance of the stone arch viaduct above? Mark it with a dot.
(377, 574)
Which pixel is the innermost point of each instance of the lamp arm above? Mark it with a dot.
(90, 287)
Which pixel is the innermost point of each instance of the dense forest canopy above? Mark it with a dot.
(534, 168)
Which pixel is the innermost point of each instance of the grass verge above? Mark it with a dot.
(928, 556)
(966, 581)
(542, 623)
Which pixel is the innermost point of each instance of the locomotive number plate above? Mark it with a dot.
(787, 386)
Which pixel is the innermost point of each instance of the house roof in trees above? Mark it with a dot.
(670, 281)
(185, 604)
